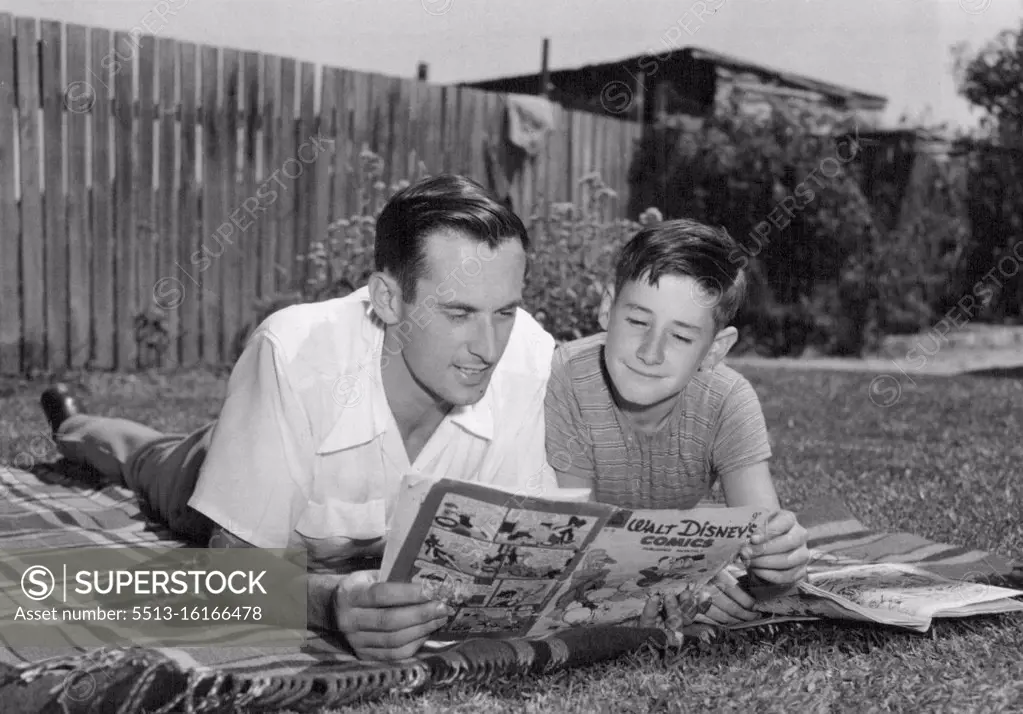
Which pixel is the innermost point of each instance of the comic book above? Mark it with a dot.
(897, 594)
(523, 566)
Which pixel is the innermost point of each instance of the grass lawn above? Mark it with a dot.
(943, 462)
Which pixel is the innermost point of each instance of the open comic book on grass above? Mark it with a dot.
(897, 594)
(516, 566)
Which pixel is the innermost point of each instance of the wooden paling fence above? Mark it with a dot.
(141, 171)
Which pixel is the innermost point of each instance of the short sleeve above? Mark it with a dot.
(569, 446)
(741, 438)
(256, 475)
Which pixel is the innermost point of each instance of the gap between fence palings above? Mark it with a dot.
(150, 184)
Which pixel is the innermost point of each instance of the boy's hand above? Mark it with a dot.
(730, 604)
(778, 556)
(385, 621)
(675, 612)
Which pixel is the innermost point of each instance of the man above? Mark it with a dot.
(432, 368)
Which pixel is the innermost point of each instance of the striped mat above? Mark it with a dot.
(55, 506)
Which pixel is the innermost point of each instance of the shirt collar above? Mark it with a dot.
(365, 414)
(359, 394)
(478, 418)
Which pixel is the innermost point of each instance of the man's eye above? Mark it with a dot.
(458, 316)
(681, 338)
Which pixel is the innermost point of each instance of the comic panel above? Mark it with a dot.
(534, 563)
(553, 530)
(455, 552)
(450, 587)
(483, 620)
(468, 517)
(513, 593)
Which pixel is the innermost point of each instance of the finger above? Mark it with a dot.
(394, 641)
(722, 580)
(689, 604)
(380, 595)
(717, 616)
(726, 585)
(779, 523)
(734, 609)
(791, 576)
(700, 631)
(360, 579)
(795, 539)
(392, 619)
(403, 638)
(382, 654)
(673, 617)
(789, 560)
(651, 612)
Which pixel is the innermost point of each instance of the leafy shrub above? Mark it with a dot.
(572, 260)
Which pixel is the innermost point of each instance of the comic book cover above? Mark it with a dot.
(907, 595)
(638, 553)
(897, 594)
(513, 566)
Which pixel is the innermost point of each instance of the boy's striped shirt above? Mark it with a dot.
(716, 427)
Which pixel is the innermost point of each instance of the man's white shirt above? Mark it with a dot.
(307, 454)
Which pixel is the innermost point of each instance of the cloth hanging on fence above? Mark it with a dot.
(530, 120)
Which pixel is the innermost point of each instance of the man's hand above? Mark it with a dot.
(730, 604)
(384, 621)
(779, 556)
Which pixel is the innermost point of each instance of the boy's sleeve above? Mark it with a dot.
(569, 447)
(256, 474)
(741, 438)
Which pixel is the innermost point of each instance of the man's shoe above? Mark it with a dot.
(58, 404)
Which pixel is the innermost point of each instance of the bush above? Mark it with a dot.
(783, 187)
(572, 260)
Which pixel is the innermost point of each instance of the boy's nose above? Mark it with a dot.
(651, 351)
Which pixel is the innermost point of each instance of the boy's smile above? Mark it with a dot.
(657, 338)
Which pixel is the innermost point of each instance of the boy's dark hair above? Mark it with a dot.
(446, 201)
(689, 248)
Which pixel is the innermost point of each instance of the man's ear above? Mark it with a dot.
(724, 340)
(606, 301)
(385, 297)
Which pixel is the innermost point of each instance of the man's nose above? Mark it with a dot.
(484, 342)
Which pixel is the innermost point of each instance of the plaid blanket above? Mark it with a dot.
(55, 507)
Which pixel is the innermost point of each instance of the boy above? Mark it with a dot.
(647, 415)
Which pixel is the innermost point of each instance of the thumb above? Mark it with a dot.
(359, 580)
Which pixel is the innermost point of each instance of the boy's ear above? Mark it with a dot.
(606, 301)
(723, 342)
(385, 297)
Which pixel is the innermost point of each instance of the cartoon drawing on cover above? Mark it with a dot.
(469, 517)
(534, 563)
(868, 587)
(669, 568)
(455, 552)
(451, 587)
(555, 530)
(490, 620)
(590, 576)
(510, 593)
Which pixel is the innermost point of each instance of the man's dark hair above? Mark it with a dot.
(446, 201)
(688, 248)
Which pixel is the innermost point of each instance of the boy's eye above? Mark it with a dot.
(682, 338)
(634, 321)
